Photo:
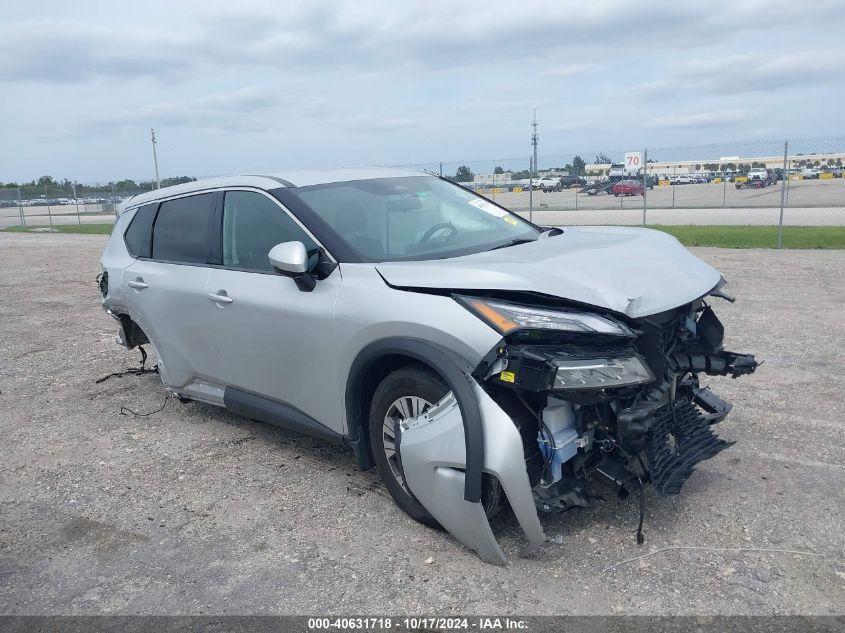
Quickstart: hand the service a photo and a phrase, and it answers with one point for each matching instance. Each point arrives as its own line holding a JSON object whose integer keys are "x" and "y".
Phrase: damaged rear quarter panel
{"x": 114, "y": 260}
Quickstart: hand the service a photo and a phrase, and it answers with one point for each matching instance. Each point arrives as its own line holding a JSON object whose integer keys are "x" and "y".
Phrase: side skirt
{"x": 277, "y": 413}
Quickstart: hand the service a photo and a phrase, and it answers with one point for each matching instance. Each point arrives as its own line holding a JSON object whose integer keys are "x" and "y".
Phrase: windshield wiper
{"x": 515, "y": 242}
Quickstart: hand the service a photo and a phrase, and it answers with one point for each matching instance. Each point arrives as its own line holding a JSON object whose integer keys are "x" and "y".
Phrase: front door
{"x": 272, "y": 338}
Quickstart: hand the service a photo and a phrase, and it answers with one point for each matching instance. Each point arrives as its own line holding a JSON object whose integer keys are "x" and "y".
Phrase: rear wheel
{"x": 404, "y": 394}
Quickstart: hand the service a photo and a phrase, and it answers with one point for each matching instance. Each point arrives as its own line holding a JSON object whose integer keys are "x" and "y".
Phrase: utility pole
{"x": 155, "y": 157}
{"x": 534, "y": 139}
{"x": 645, "y": 182}
{"x": 49, "y": 211}
{"x": 530, "y": 192}
{"x": 783, "y": 192}
{"x": 76, "y": 200}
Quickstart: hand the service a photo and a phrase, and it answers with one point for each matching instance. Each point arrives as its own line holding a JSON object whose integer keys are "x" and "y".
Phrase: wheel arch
{"x": 380, "y": 357}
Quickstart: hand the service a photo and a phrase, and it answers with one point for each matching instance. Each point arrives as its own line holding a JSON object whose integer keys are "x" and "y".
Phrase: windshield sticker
{"x": 488, "y": 207}
{"x": 510, "y": 220}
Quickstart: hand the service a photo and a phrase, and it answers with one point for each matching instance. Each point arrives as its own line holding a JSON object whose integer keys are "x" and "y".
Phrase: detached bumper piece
{"x": 719, "y": 363}
{"x": 680, "y": 437}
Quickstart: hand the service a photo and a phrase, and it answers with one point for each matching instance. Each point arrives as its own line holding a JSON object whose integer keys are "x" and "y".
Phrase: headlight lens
{"x": 600, "y": 373}
{"x": 508, "y": 317}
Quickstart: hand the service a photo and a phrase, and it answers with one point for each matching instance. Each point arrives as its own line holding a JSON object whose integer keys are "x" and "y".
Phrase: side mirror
{"x": 292, "y": 260}
{"x": 289, "y": 258}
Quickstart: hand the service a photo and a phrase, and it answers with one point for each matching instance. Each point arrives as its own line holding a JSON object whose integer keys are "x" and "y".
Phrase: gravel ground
{"x": 195, "y": 510}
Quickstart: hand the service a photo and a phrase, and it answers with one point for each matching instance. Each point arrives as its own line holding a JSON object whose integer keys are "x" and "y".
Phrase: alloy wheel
{"x": 402, "y": 409}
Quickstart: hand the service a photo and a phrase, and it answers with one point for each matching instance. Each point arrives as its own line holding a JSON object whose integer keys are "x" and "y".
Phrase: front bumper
{"x": 620, "y": 436}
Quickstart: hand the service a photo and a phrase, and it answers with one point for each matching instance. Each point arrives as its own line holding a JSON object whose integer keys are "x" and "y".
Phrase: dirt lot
{"x": 195, "y": 510}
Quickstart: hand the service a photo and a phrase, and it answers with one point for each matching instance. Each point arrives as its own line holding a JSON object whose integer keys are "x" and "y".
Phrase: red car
{"x": 627, "y": 188}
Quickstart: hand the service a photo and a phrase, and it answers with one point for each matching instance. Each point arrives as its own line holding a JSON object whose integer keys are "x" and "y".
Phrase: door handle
{"x": 220, "y": 297}
{"x": 138, "y": 284}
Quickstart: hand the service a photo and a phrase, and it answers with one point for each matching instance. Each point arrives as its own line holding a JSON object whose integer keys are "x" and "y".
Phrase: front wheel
{"x": 407, "y": 393}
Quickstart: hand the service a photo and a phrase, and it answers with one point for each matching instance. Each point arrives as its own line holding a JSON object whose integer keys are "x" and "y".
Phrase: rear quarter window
{"x": 138, "y": 236}
{"x": 182, "y": 229}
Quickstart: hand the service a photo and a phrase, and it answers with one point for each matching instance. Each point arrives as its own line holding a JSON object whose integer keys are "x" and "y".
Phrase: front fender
{"x": 456, "y": 374}
{"x": 434, "y": 463}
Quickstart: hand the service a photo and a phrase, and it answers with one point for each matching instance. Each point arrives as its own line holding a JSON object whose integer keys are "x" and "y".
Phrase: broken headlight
{"x": 507, "y": 317}
{"x": 599, "y": 373}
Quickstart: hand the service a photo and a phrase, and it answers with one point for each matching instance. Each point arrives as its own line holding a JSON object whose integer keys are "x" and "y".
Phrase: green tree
{"x": 498, "y": 170}
{"x": 602, "y": 159}
{"x": 521, "y": 175}
{"x": 127, "y": 185}
{"x": 168, "y": 182}
{"x": 579, "y": 167}
{"x": 464, "y": 174}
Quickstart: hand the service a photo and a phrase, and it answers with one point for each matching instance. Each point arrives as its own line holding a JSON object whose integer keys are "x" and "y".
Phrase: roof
{"x": 272, "y": 180}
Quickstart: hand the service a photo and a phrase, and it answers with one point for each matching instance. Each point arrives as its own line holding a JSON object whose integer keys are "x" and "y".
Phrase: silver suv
{"x": 475, "y": 359}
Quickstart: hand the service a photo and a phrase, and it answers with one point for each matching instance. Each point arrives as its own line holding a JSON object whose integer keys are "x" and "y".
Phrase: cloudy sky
{"x": 247, "y": 85}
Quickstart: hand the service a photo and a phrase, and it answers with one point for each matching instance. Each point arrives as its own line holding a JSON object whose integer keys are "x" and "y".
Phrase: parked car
{"x": 758, "y": 174}
{"x": 617, "y": 170}
{"x": 681, "y": 180}
{"x": 627, "y": 188}
{"x": 548, "y": 183}
{"x": 474, "y": 358}
{"x": 568, "y": 182}
{"x": 809, "y": 173}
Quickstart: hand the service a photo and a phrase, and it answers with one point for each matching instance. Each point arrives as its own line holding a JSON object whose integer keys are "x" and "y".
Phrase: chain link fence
{"x": 53, "y": 204}
{"x": 769, "y": 183}
{"x": 797, "y": 183}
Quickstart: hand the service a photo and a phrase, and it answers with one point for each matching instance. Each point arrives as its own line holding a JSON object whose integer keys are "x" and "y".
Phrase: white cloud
{"x": 748, "y": 72}
{"x": 376, "y": 80}
{"x": 381, "y": 34}
{"x": 709, "y": 119}
{"x": 231, "y": 110}
{"x": 567, "y": 70}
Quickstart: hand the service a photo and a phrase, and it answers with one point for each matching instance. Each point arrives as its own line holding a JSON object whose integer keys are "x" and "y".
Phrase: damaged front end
{"x": 602, "y": 400}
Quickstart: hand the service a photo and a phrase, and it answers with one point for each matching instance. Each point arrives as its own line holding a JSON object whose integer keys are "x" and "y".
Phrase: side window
{"x": 252, "y": 225}
{"x": 138, "y": 235}
{"x": 182, "y": 228}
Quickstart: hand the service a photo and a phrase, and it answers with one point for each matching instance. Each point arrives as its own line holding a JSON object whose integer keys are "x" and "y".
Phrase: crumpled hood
{"x": 632, "y": 271}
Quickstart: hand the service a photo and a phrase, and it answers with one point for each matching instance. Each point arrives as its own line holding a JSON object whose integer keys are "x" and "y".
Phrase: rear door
{"x": 274, "y": 340}
{"x": 166, "y": 285}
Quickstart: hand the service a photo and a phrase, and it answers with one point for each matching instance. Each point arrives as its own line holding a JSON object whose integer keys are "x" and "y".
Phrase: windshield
{"x": 413, "y": 218}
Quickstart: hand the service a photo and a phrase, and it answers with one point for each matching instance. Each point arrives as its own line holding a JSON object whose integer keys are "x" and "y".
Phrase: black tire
{"x": 413, "y": 380}
{"x": 419, "y": 381}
